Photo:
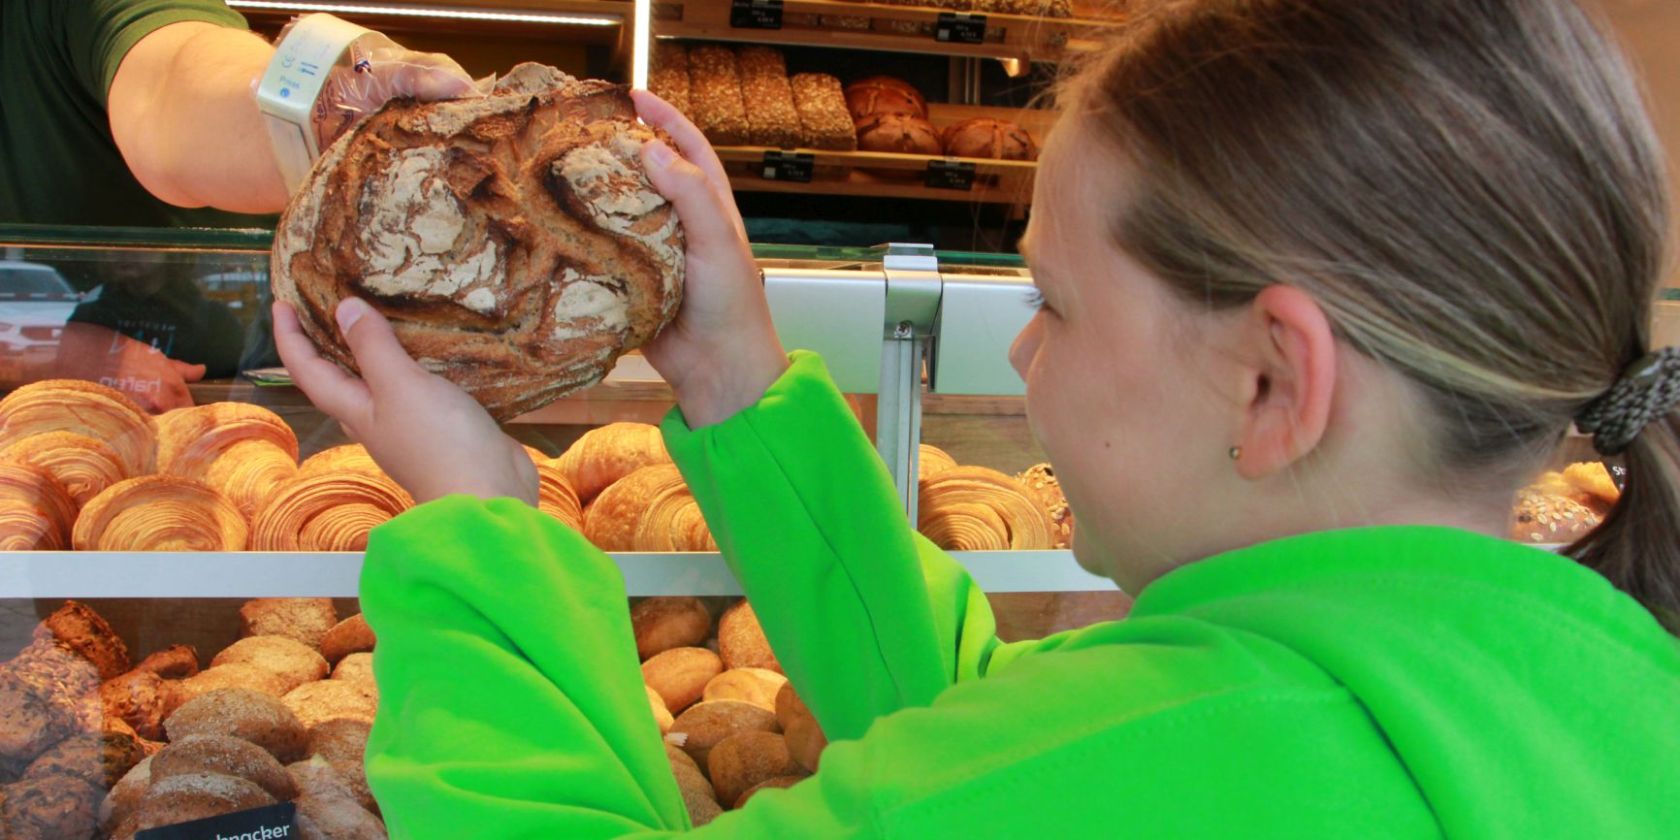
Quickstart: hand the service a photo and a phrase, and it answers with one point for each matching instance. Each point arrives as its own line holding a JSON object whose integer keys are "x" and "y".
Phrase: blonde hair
{"x": 1471, "y": 190}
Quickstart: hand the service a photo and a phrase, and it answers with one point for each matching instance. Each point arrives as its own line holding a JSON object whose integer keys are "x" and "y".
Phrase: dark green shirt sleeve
{"x": 99, "y": 34}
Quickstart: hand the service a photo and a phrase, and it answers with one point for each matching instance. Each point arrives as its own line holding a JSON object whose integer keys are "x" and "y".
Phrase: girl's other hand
{"x": 721, "y": 353}
{"x": 424, "y": 431}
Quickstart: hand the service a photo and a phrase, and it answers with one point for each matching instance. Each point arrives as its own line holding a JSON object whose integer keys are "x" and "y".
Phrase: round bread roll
{"x": 242, "y": 713}
{"x": 139, "y": 699}
{"x": 172, "y": 663}
{"x": 884, "y": 95}
{"x": 316, "y": 776}
{"x": 318, "y": 702}
{"x": 231, "y": 675}
{"x": 608, "y": 453}
{"x": 197, "y": 796}
{"x": 77, "y": 628}
{"x": 352, "y": 635}
{"x": 698, "y": 797}
{"x": 983, "y": 137}
{"x": 52, "y": 806}
{"x": 291, "y": 660}
{"x": 32, "y": 719}
{"x": 513, "y": 240}
{"x": 227, "y": 756}
{"x": 776, "y": 782}
{"x": 661, "y": 715}
{"x": 356, "y": 666}
{"x": 899, "y": 133}
{"x": 757, "y": 686}
{"x": 160, "y": 513}
{"x": 741, "y": 641}
{"x": 1541, "y": 517}
{"x": 679, "y": 675}
{"x": 804, "y": 736}
{"x": 36, "y": 512}
{"x": 306, "y": 619}
{"x": 664, "y": 622}
{"x": 340, "y": 818}
{"x": 744, "y": 759}
{"x": 123, "y": 801}
{"x": 704, "y": 725}
{"x": 342, "y": 740}
{"x": 99, "y": 758}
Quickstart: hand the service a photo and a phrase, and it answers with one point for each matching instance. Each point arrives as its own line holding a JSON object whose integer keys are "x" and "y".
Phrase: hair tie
{"x": 1647, "y": 389}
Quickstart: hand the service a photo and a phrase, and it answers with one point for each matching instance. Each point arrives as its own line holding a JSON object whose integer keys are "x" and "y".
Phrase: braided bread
{"x": 513, "y": 240}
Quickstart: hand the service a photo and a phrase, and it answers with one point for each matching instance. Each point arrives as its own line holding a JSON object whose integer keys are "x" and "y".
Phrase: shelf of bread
{"x": 883, "y": 174}
{"x": 999, "y": 29}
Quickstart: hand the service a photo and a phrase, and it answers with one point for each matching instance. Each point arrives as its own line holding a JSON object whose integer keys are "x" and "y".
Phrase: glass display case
{"x": 917, "y": 339}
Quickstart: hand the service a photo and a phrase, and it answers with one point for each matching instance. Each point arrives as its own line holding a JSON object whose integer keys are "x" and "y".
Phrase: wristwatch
{"x": 308, "y": 51}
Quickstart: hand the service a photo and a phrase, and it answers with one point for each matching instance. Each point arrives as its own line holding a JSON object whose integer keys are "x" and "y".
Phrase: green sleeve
{"x": 99, "y": 34}
{"x": 511, "y": 698}
{"x": 865, "y": 615}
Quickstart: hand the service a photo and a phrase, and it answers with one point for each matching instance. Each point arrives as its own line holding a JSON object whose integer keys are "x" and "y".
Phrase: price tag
{"x": 949, "y": 174}
{"x": 755, "y": 14}
{"x": 788, "y": 166}
{"x": 960, "y": 28}
{"x": 272, "y": 822}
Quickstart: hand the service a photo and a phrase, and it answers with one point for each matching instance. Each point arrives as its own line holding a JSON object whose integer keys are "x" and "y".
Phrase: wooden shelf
{"x": 881, "y": 175}
{"x": 817, "y": 23}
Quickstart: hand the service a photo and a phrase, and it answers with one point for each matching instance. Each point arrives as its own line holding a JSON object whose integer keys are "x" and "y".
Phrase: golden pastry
{"x": 36, "y": 513}
{"x": 619, "y": 519}
{"x": 328, "y": 511}
{"x": 243, "y": 450}
{"x": 160, "y": 513}
{"x": 981, "y": 509}
{"x": 351, "y": 457}
{"x": 604, "y": 455}
{"x": 673, "y": 522}
{"x": 84, "y": 465}
{"x": 555, "y": 495}
{"x": 1596, "y": 488}
{"x": 931, "y": 461}
{"x": 71, "y": 405}
{"x": 1040, "y": 480}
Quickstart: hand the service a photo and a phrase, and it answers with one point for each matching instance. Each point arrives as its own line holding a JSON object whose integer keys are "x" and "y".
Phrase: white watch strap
{"x": 294, "y": 78}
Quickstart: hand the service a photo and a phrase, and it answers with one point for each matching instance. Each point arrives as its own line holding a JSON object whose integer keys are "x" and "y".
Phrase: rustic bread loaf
{"x": 884, "y": 95}
{"x": 983, "y": 137}
{"x": 513, "y": 240}
{"x": 901, "y": 133}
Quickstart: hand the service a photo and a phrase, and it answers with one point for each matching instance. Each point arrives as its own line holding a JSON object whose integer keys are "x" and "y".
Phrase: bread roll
{"x": 329, "y": 511}
{"x": 123, "y": 801}
{"x": 664, "y": 622}
{"x": 983, "y": 137}
{"x": 231, "y": 675}
{"x": 242, "y": 713}
{"x": 680, "y": 675}
{"x": 36, "y": 513}
{"x": 99, "y": 758}
{"x": 698, "y": 797}
{"x": 291, "y": 660}
{"x": 352, "y": 635}
{"x": 84, "y": 465}
{"x": 773, "y": 782}
{"x": 981, "y": 509}
{"x": 242, "y": 450}
{"x": 1542, "y": 517}
{"x": 661, "y": 715}
{"x": 897, "y": 133}
{"x": 1593, "y": 485}
{"x": 341, "y": 740}
{"x": 319, "y": 702}
{"x": 606, "y": 454}
{"x": 307, "y": 620}
{"x": 172, "y": 663}
{"x": 337, "y": 818}
{"x": 95, "y": 411}
{"x": 824, "y": 122}
{"x": 704, "y": 725}
{"x": 805, "y": 738}
{"x": 160, "y": 513}
{"x": 882, "y": 95}
{"x": 757, "y": 686}
{"x": 513, "y": 240}
{"x": 140, "y": 699}
{"x": 741, "y": 641}
{"x": 198, "y": 796}
{"x": 741, "y": 761}
{"x": 714, "y": 94}
{"x": 356, "y": 666}
{"x": 227, "y": 756}
{"x": 49, "y": 808}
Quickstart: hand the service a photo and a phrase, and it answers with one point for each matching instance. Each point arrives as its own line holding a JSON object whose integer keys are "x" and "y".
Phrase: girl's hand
{"x": 424, "y": 431}
{"x": 721, "y": 353}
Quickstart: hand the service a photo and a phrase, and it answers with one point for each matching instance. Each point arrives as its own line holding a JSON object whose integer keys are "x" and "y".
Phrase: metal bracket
{"x": 913, "y": 290}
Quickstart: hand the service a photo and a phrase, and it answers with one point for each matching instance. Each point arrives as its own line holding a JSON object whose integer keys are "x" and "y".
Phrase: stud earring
{"x": 1235, "y": 452}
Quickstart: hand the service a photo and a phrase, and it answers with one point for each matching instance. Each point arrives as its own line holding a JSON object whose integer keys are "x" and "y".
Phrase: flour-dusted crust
{"x": 513, "y": 240}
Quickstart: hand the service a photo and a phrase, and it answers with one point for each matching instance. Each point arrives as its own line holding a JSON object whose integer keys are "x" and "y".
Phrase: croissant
{"x": 672, "y": 522}
{"x": 1040, "y": 480}
{"x": 980, "y": 509}
{"x": 327, "y": 511}
{"x": 160, "y": 513}
{"x": 71, "y": 405}
{"x": 351, "y": 457}
{"x": 84, "y": 466}
{"x": 932, "y": 461}
{"x": 555, "y": 496}
{"x": 612, "y": 520}
{"x": 35, "y": 510}
{"x": 244, "y": 451}
{"x": 605, "y": 455}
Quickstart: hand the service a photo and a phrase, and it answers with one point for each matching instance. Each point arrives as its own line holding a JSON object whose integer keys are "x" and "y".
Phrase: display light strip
{"x": 641, "y": 43}
{"x": 439, "y": 12}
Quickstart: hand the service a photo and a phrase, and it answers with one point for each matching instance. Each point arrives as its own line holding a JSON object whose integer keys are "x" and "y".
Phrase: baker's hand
{"x": 103, "y": 355}
{"x": 379, "y": 70}
{"x": 721, "y": 353}
{"x": 424, "y": 431}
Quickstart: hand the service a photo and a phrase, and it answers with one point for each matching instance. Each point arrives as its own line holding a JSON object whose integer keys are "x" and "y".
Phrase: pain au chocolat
{"x": 513, "y": 239}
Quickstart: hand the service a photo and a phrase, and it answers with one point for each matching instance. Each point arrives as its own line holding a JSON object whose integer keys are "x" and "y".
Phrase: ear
{"x": 1289, "y": 380}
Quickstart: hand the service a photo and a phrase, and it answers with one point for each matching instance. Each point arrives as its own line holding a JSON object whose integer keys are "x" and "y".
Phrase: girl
{"x": 1323, "y": 283}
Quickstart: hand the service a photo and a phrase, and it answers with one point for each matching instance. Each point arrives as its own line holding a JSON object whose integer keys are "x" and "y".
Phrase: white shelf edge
{"x": 253, "y": 574}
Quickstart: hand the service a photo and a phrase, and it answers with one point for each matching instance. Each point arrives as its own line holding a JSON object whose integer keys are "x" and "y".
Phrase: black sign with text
{"x": 960, "y": 28}
{"x": 788, "y": 166}
{"x": 272, "y": 822}
{"x": 946, "y": 174}
{"x": 755, "y": 14}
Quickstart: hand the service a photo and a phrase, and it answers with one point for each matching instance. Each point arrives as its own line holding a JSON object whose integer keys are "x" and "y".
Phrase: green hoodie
{"x": 1409, "y": 681}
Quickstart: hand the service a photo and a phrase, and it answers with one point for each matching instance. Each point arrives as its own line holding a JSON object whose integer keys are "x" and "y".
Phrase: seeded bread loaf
{"x": 714, "y": 93}
{"x": 668, "y": 74}
{"x": 823, "y": 120}
{"x": 772, "y": 119}
{"x": 513, "y": 239}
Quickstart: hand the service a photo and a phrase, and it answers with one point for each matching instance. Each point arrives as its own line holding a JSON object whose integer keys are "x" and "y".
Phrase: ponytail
{"x": 1638, "y": 545}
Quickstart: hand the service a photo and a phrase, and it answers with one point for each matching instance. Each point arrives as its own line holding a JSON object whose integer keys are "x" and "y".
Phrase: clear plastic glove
{"x": 422, "y": 429}
{"x": 376, "y": 70}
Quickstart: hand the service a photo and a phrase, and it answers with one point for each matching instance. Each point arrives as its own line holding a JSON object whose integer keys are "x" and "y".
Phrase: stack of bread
{"x": 891, "y": 115}
{"x": 744, "y": 95}
{"x": 1563, "y": 506}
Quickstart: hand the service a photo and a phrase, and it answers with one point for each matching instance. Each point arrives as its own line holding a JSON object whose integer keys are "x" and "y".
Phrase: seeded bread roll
{"x": 232, "y": 675}
{"x": 513, "y": 240}
{"x": 123, "y": 801}
{"x": 259, "y": 718}
{"x": 172, "y": 663}
{"x": 291, "y": 660}
{"x": 668, "y": 74}
{"x": 227, "y": 756}
{"x": 49, "y": 808}
{"x": 140, "y": 699}
{"x": 352, "y": 635}
{"x": 197, "y": 796}
{"x": 318, "y": 702}
{"x": 741, "y": 640}
{"x": 316, "y": 776}
{"x": 306, "y": 619}
{"x": 99, "y": 758}
{"x": 356, "y": 666}
{"x": 823, "y": 120}
{"x": 77, "y": 628}
{"x": 714, "y": 92}
{"x": 1542, "y": 517}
